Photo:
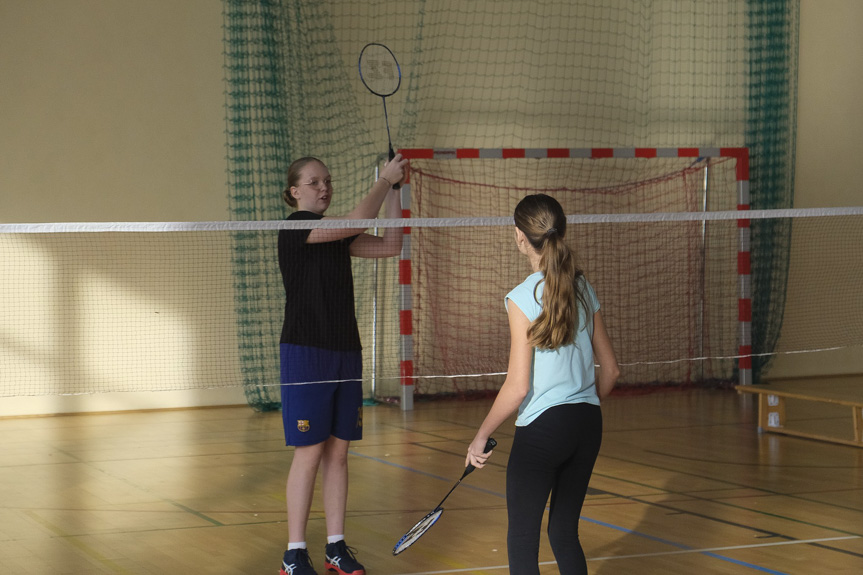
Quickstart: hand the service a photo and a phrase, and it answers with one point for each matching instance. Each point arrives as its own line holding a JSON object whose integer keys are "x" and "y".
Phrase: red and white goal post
{"x": 612, "y": 187}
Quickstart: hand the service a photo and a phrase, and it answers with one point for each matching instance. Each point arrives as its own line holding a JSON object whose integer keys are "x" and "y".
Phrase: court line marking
{"x": 723, "y": 501}
{"x": 729, "y": 548}
{"x": 77, "y": 541}
{"x": 681, "y": 548}
{"x": 707, "y": 550}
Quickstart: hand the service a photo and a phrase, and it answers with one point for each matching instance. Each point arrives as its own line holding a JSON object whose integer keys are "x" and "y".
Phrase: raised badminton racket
{"x": 426, "y": 522}
{"x": 380, "y": 73}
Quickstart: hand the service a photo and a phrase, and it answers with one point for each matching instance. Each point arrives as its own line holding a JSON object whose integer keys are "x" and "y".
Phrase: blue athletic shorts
{"x": 312, "y": 412}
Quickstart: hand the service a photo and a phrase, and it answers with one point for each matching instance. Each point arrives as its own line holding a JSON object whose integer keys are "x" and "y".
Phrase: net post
{"x": 406, "y": 355}
{"x": 374, "y": 384}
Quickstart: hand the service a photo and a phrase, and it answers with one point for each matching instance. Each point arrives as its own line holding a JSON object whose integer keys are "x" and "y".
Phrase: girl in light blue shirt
{"x": 556, "y": 336}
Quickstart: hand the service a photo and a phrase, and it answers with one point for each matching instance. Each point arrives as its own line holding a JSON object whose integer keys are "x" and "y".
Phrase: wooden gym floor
{"x": 684, "y": 484}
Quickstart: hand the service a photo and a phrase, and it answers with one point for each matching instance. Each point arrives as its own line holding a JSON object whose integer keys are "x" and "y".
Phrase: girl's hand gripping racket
{"x": 380, "y": 73}
{"x": 426, "y": 522}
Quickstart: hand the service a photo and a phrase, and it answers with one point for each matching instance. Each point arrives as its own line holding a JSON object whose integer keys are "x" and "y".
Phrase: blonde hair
{"x": 294, "y": 178}
{"x": 540, "y": 217}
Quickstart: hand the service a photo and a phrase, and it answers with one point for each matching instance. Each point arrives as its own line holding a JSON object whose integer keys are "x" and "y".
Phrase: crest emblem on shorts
{"x": 303, "y": 425}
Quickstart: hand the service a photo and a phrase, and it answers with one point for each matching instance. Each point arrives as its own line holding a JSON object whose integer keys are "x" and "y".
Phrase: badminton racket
{"x": 381, "y": 75}
{"x": 426, "y": 522}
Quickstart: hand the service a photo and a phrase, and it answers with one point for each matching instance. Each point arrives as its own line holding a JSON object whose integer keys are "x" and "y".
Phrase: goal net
{"x": 670, "y": 291}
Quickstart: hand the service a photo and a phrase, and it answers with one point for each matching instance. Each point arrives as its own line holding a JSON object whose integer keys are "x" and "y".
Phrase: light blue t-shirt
{"x": 563, "y": 375}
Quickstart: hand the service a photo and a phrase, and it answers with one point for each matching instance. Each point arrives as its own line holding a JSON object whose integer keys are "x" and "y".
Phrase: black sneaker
{"x": 340, "y": 558}
{"x": 297, "y": 562}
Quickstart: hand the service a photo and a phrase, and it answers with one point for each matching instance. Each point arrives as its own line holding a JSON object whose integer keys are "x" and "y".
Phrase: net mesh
{"x": 97, "y": 312}
{"x": 98, "y": 308}
{"x": 669, "y": 290}
{"x": 488, "y": 74}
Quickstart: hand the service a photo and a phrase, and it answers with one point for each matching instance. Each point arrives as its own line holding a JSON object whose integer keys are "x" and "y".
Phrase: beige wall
{"x": 112, "y": 110}
{"x": 829, "y": 141}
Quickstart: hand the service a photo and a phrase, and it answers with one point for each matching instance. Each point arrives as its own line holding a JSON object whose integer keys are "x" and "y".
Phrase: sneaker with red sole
{"x": 340, "y": 558}
{"x": 297, "y": 562}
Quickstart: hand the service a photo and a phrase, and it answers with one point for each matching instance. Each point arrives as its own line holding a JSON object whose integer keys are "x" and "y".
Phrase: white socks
{"x": 302, "y": 544}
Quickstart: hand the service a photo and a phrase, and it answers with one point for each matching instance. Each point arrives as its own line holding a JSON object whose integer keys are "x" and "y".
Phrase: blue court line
{"x": 681, "y": 546}
{"x": 588, "y": 519}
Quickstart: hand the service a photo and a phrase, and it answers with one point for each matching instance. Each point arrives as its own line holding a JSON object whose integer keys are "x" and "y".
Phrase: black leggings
{"x": 554, "y": 454}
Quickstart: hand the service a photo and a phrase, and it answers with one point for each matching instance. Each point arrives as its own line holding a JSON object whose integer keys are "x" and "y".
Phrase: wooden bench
{"x": 772, "y": 398}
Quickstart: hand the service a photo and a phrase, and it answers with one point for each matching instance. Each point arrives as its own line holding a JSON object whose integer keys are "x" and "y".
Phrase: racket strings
{"x": 381, "y": 69}
{"x": 417, "y": 531}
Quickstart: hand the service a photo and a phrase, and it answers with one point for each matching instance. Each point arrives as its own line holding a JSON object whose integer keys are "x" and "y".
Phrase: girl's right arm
{"x": 514, "y": 389}
{"x": 392, "y": 173}
{"x": 369, "y": 206}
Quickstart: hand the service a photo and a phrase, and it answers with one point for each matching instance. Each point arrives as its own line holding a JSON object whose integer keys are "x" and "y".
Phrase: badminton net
{"x": 87, "y": 308}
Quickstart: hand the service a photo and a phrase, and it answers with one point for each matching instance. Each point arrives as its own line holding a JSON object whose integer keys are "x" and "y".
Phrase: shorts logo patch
{"x": 303, "y": 425}
{"x": 359, "y": 417}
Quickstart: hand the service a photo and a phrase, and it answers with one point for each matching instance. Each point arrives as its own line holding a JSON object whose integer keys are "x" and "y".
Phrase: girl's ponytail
{"x": 543, "y": 222}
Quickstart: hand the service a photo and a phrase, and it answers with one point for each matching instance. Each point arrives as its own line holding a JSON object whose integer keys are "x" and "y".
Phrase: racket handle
{"x": 397, "y": 185}
{"x": 489, "y": 445}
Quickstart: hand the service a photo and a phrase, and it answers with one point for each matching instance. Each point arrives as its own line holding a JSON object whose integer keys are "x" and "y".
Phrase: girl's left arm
{"x": 514, "y": 389}
{"x": 388, "y": 245}
{"x": 603, "y": 351}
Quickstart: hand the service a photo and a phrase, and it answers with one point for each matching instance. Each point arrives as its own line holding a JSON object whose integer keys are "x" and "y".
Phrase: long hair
{"x": 543, "y": 222}
{"x": 294, "y": 177}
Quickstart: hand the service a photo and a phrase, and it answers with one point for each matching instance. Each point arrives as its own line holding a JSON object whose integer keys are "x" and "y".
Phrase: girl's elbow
{"x": 515, "y": 391}
{"x": 394, "y": 249}
{"x": 390, "y": 253}
{"x": 521, "y": 393}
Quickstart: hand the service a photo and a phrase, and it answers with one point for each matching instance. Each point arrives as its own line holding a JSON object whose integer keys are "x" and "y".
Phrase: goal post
{"x": 705, "y": 269}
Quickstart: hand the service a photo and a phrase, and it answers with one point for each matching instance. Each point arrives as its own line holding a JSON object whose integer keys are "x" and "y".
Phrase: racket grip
{"x": 397, "y": 185}
{"x": 489, "y": 445}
